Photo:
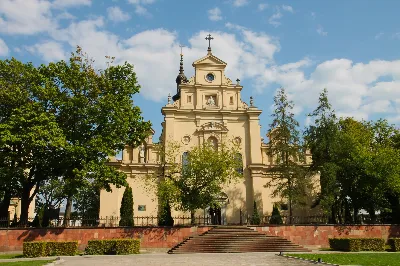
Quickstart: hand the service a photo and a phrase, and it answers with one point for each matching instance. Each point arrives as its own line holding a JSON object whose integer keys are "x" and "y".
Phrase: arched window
{"x": 213, "y": 141}
{"x": 185, "y": 158}
{"x": 240, "y": 163}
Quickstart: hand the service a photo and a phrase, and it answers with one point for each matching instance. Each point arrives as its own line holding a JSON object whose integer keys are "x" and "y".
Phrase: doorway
{"x": 215, "y": 214}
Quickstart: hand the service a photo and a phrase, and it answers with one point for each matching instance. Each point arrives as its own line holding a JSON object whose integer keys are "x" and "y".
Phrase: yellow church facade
{"x": 207, "y": 107}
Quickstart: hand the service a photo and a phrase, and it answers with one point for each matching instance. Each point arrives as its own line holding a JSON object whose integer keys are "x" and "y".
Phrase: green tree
{"x": 255, "y": 218}
{"x": 29, "y": 134}
{"x": 288, "y": 176}
{"x": 195, "y": 181}
{"x": 126, "y": 210}
{"x": 95, "y": 110}
{"x": 165, "y": 217}
{"x": 322, "y": 140}
{"x": 203, "y": 176}
{"x": 276, "y": 217}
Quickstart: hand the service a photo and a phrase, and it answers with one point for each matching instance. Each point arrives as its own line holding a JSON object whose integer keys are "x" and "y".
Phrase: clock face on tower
{"x": 210, "y": 77}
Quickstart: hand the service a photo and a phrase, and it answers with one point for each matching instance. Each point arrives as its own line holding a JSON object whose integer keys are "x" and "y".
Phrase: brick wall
{"x": 315, "y": 235}
{"x": 160, "y": 237}
{"x": 151, "y": 237}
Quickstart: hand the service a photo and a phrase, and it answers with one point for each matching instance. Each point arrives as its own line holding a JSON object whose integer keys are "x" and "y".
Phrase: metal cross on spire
{"x": 181, "y": 48}
{"x": 209, "y": 38}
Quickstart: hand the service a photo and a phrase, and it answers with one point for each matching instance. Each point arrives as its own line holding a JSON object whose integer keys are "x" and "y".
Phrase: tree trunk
{"x": 355, "y": 215}
{"x": 192, "y": 217}
{"x": 25, "y": 202}
{"x": 332, "y": 219}
{"x": 68, "y": 210}
{"x": 5, "y": 205}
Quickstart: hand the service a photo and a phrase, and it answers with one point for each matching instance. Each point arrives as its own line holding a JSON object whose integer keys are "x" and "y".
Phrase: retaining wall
{"x": 167, "y": 237}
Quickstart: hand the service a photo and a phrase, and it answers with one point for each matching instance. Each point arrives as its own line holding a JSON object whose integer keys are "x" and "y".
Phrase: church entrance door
{"x": 215, "y": 214}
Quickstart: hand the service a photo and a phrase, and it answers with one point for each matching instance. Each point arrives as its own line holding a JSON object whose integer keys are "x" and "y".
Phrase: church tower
{"x": 209, "y": 107}
{"x": 206, "y": 107}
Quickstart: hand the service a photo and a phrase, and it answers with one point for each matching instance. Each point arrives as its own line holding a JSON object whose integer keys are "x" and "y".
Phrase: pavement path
{"x": 219, "y": 259}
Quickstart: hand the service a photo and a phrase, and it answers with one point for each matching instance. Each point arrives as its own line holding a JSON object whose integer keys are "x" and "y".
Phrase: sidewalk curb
{"x": 56, "y": 262}
{"x": 313, "y": 261}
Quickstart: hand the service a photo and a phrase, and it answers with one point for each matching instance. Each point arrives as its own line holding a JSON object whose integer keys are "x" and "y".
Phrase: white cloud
{"x": 355, "y": 89}
{"x": 313, "y": 15}
{"x": 262, "y": 6}
{"x": 116, "y": 14}
{"x": 214, "y": 14}
{"x": 48, "y": 50}
{"x": 274, "y": 19}
{"x": 25, "y": 17}
{"x": 65, "y": 15}
{"x": 139, "y": 6}
{"x": 396, "y": 35}
{"x": 71, "y": 3}
{"x": 379, "y": 35}
{"x": 320, "y": 31}
{"x": 287, "y": 8}
{"x": 141, "y": 2}
{"x": 3, "y": 48}
{"x": 239, "y": 3}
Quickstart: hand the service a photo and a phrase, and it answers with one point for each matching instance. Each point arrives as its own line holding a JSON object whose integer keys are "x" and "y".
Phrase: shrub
{"x": 127, "y": 246}
{"x": 345, "y": 244}
{"x": 64, "y": 248}
{"x": 34, "y": 249}
{"x": 113, "y": 247}
{"x": 372, "y": 244}
{"x": 165, "y": 216}
{"x": 276, "y": 217}
{"x": 255, "y": 218}
{"x": 126, "y": 210}
{"x": 357, "y": 244}
{"x": 394, "y": 244}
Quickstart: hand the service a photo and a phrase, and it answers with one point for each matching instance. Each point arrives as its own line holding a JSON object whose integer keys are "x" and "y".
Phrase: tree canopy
{"x": 63, "y": 120}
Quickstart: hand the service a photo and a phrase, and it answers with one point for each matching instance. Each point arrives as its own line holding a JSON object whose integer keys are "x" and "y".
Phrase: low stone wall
{"x": 151, "y": 237}
{"x": 166, "y": 237}
{"x": 318, "y": 235}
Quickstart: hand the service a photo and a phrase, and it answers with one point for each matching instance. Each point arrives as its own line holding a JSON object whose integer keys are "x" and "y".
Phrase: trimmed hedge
{"x": 113, "y": 247}
{"x": 43, "y": 249}
{"x": 345, "y": 244}
{"x": 373, "y": 244}
{"x": 357, "y": 244}
{"x": 34, "y": 249}
{"x": 394, "y": 244}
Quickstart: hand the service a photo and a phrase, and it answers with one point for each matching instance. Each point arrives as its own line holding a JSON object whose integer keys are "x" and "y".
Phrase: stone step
{"x": 235, "y": 240}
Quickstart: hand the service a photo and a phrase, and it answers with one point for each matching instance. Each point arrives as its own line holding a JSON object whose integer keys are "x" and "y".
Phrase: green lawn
{"x": 26, "y": 263}
{"x": 11, "y": 256}
{"x": 365, "y": 259}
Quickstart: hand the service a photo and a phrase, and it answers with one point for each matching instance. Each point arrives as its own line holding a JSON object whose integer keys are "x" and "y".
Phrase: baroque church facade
{"x": 207, "y": 107}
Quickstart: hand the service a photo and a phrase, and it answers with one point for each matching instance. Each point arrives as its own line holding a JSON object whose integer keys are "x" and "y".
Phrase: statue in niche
{"x": 142, "y": 150}
{"x": 210, "y": 101}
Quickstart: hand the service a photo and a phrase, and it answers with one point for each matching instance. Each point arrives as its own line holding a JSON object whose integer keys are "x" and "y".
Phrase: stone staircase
{"x": 234, "y": 239}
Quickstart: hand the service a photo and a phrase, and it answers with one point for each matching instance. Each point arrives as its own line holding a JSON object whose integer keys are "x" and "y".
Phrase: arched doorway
{"x": 218, "y": 212}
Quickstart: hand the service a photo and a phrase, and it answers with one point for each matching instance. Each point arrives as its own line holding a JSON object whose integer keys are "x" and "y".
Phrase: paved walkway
{"x": 232, "y": 259}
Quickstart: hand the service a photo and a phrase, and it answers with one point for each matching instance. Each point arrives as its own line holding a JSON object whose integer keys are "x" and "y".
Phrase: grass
{"x": 11, "y": 256}
{"x": 365, "y": 259}
{"x": 26, "y": 263}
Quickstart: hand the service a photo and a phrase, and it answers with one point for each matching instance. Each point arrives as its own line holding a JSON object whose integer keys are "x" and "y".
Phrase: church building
{"x": 206, "y": 107}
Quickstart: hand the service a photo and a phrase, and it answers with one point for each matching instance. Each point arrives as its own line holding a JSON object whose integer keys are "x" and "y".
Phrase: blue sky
{"x": 349, "y": 47}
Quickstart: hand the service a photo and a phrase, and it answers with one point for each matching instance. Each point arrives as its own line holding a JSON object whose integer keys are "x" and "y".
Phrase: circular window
{"x": 210, "y": 77}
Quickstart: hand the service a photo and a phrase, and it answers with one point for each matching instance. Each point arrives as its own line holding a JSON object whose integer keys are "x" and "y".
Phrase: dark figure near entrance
{"x": 215, "y": 214}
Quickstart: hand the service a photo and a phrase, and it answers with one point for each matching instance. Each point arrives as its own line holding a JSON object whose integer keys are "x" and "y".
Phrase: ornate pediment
{"x": 213, "y": 126}
{"x": 209, "y": 59}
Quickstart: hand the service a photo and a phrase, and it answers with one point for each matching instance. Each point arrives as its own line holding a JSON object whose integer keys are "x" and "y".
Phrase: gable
{"x": 210, "y": 60}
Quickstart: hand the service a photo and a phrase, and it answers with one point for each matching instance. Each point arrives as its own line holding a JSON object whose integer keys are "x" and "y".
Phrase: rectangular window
{"x": 141, "y": 208}
{"x": 231, "y": 100}
{"x": 189, "y": 99}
